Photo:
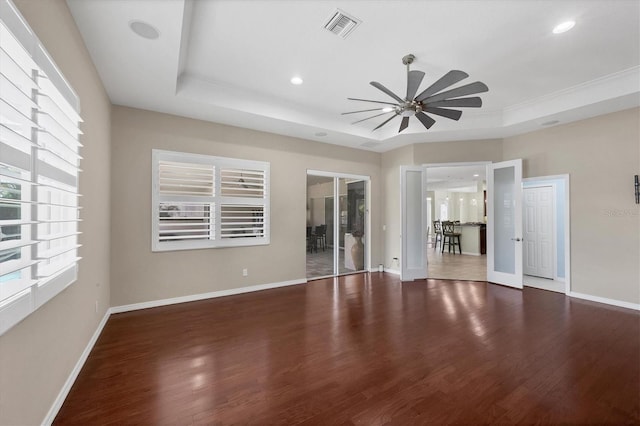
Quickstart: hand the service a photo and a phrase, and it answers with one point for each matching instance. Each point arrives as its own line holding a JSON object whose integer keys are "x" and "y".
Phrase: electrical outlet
{"x": 245, "y": 272}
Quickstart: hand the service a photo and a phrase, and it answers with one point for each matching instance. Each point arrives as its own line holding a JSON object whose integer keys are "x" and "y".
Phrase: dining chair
{"x": 311, "y": 240}
{"x": 321, "y": 236}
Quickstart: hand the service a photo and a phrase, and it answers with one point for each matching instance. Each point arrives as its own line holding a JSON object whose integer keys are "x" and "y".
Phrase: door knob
{"x": 516, "y": 239}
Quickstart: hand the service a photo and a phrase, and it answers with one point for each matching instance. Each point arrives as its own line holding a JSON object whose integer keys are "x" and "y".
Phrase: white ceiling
{"x": 462, "y": 178}
{"x": 230, "y": 61}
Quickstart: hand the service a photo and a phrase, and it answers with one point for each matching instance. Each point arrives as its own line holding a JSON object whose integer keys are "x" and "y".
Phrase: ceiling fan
{"x": 431, "y": 100}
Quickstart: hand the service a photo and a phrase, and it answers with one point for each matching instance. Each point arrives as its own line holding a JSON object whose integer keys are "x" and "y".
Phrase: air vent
{"x": 341, "y": 23}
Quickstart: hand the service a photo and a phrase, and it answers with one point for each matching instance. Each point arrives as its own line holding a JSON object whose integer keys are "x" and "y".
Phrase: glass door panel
{"x": 504, "y": 225}
{"x": 352, "y": 209}
{"x": 320, "y": 199}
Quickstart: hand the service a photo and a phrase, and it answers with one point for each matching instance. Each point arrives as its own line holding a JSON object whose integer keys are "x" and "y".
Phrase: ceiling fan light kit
{"x": 433, "y": 100}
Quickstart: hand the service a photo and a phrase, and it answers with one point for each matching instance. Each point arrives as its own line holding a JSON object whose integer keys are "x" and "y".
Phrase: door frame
{"x": 336, "y": 211}
{"x": 567, "y": 226}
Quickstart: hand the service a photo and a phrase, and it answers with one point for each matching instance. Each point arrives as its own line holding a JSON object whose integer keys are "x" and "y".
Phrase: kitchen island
{"x": 473, "y": 238}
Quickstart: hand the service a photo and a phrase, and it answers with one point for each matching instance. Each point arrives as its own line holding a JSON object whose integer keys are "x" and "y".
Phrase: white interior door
{"x": 413, "y": 198}
{"x": 538, "y": 244}
{"x": 504, "y": 223}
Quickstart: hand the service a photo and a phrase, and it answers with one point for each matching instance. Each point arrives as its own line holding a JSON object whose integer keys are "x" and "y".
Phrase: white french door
{"x": 413, "y": 198}
{"x": 504, "y": 223}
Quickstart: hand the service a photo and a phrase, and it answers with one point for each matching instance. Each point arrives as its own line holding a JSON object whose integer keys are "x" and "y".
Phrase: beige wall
{"x": 138, "y": 275}
{"x": 37, "y": 355}
{"x": 601, "y": 155}
{"x": 458, "y": 151}
{"x": 391, "y": 162}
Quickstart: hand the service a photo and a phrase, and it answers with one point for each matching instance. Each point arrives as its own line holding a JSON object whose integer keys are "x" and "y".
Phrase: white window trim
{"x": 216, "y": 199}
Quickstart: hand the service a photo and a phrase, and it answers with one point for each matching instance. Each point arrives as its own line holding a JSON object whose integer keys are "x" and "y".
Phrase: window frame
{"x": 215, "y": 201}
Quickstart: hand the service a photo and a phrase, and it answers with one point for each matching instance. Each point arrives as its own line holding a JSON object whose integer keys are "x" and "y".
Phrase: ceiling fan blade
{"x": 375, "y": 102}
{"x": 414, "y": 78}
{"x": 474, "y": 102}
{"x": 362, "y": 110}
{"x": 373, "y": 116}
{"x": 387, "y": 91}
{"x": 450, "y": 78}
{"x": 404, "y": 124}
{"x": 386, "y": 121}
{"x": 425, "y": 120}
{"x": 453, "y": 114}
{"x": 467, "y": 89}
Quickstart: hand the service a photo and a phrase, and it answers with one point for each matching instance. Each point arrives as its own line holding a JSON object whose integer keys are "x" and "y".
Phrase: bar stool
{"x": 450, "y": 237}
{"x": 437, "y": 230}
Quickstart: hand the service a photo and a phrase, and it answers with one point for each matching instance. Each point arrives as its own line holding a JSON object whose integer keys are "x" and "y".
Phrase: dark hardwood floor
{"x": 366, "y": 350}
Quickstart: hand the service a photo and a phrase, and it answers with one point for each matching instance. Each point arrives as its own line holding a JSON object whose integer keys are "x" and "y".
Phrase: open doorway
{"x": 456, "y": 193}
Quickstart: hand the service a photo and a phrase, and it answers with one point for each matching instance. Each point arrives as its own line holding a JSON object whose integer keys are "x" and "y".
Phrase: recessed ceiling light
{"x": 563, "y": 27}
{"x": 321, "y": 134}
{"x": 387, "y": 109}
{"x": 476, "y": 175}
{"x": 296, "y": 80}
{"x": 144, "y": 30}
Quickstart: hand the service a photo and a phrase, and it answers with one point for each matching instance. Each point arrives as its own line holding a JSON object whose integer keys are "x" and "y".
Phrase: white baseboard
{"x": 392, "y": 271}
{"x": 628, "y": 305}
{"x": 202, "y": 296}
{"x": 468, "y": 253}
{"x": 62, "y": 395}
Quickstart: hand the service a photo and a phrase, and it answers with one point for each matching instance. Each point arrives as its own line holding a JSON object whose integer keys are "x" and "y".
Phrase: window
{"x": 200, "y": 201}
{"x": 38, "y": 173}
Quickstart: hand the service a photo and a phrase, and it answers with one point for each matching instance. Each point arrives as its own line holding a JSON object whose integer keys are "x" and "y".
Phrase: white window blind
{"x": 201, "y": 201}
{"x": 39, "y": 159}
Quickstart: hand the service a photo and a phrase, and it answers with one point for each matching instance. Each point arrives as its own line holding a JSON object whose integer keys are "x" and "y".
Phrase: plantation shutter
{"x": 203, "y": 201}
{"x": 39, "y": 159}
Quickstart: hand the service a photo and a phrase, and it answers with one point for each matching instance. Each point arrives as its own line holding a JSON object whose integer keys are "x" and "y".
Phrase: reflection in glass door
{"x": 337, "y": 223}
{"x": 320, "y": 226}
{"x": 352, "y": 225}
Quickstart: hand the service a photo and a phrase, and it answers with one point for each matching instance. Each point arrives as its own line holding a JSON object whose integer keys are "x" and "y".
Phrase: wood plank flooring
{"x": 365, "y": 349}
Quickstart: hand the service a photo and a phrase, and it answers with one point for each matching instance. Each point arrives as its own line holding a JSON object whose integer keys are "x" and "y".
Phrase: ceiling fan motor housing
{"x": 409, "y": 108}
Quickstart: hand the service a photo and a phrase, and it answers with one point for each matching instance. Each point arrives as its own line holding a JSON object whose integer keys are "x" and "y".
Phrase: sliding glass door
{"x": 337, "y": 224}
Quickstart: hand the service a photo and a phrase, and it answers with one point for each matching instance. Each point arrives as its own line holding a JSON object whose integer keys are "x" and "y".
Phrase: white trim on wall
{"x": 202, "y": 296}
{"x": 62, "y": 395}
{"x": 605, "y": 300}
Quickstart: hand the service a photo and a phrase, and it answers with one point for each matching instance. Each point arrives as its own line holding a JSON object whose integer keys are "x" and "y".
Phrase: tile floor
{"x": 441, "y": 265}
{"x": 456, "y": 266}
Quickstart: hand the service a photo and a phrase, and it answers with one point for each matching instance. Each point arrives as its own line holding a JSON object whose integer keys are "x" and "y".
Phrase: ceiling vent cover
{"x": 341, "y": 23}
